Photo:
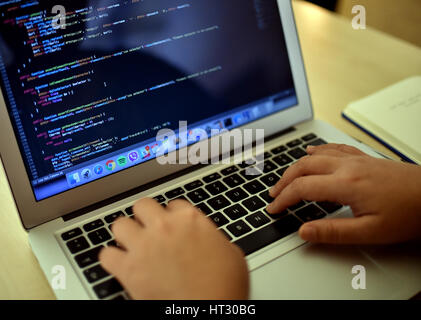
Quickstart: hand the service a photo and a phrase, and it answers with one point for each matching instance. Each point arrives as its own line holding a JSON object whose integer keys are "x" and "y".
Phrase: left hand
{"x": 174, "y": 253}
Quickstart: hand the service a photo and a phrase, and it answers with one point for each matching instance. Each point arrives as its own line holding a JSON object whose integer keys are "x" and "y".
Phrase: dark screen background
{"x": 221, "y": 54}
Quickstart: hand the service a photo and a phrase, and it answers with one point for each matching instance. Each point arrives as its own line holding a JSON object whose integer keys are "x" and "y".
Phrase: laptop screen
{"x": 89, "y": 84}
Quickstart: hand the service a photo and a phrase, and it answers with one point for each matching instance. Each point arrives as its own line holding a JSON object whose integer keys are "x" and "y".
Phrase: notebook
{"x": 393, "y": 117}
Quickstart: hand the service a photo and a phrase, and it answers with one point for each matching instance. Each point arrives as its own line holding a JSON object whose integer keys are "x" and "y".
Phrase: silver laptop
{"x": 87, "y": 87}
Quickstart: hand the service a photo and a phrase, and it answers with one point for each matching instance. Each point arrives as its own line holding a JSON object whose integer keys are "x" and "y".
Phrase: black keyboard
{"x": 232, "y": 198}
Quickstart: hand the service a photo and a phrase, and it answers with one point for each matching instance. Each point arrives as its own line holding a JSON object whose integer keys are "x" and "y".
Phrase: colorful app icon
{"x": 154, "y": 148}
{"x": 218, "y": 125}
{"x": 238, "y": 119}
{"x": 247, "y": 115}
{"x": 196, "y": 134}
{"x": 74, "y": 178}
{"x": 122, "y": 161}
{"x": 98, "y": 170}
{"x": 133, "y": 156}
{"x": 146, "y": 152}
{"x": 164, "y": 146}
{"x": 110, "y": 165}
{"x": 86, "y": 174}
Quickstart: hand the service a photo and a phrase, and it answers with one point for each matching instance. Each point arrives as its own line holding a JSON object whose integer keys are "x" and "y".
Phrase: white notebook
{"x": 393, "y": 117}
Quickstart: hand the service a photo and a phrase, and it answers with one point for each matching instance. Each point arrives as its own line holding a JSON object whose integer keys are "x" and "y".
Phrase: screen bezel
{"x": 34, "y": 213}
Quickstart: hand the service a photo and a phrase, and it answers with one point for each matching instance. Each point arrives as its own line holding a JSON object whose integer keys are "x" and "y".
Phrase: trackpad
{"x": 323, "y": 272}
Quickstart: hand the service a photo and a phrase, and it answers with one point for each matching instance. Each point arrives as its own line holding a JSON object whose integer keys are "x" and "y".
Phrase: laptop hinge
{"x": 151, "y": 185}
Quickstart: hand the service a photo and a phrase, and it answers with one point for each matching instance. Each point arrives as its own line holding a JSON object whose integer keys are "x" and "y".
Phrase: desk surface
{"x": 342, "y": 65}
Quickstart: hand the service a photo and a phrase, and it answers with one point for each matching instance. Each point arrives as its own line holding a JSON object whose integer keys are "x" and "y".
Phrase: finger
{"x": 313, "y": 188}
{"x": 309, "y": 165}
{"x": 178, "y": 204}
{"x": 361, "y": 230}
{"x": 148, "y": 211}
{"x": 342, "y": 148}
{"x": 332, "y": 153}
{"x": 125, "y": 231}
{"x": 111, "y": 259}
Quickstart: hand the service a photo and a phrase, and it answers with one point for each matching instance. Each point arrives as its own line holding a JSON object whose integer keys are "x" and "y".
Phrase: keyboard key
{"x": 267, "y": 155}
{"x": 93, "y": 225}
{"x": 329, "y": 207}
{"x": 95, "y": 273}
{"x": 317, "y": 142}
{"x": 257, "y": 219}
{"x": 226, "y": 234}
{"x": 233, "y": 180}
{"x": 265, "y": 195}
{"x": 99, "y": 236}
{"x": 160, "y": 198}
{"x": 239, "y": 228}
{"x": 282, "y": 171}
{"x": 71, "y": 234}
{"x": 219, "y": 202}
{"x": 297, "y": 153}
{"x": 174, "y": 193}
{"x": 216, "y": 188}
{"x": 119, "y": 297}
{"x": 309, "y": 213}
{"x": 229, "y": 170}
{"x": 269, "y": 234}
{"x": 263, "y": 156}
{"x": 236, "y": 194}
{"x": 198, "y": 195}
{"x": 282, "y": 160}
{"x": 278, "y": 150}
{"x": 270, "y": 179}
{"x": 77, "y": 245}
{"x": 219, "y": 219}
{"x": 297, "y": 206}
{"x": 178, "y": 198}
{"x": 89, "y": 257}
{"x": 247, "y": 163}
{"x": 254, "y": 187}
{"x": 204, "y": 208}
{"x": 111, "y": 217}
{"x": 277, "y": 215}
{"x": 107, "y": 288}
{"x": 294, "y": 143}
{"x": 193, "y": 185}
{"x": 269, "y": 166}
{"x": 309, "y": 137}
{"x": 129, "y": 211}
{"x": 212, "y": 177}
{"x": 251, "y": 173}
{"x": 235, "y": 212}
{"x": 253, "y": 204}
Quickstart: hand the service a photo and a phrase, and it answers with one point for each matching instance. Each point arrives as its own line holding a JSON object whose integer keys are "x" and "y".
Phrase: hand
{"x": 174, "y": 253}
{"x": 385, "y": 196}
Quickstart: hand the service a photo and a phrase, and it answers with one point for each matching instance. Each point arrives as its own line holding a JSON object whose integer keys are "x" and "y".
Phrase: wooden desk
{"x": 342, "y": 64}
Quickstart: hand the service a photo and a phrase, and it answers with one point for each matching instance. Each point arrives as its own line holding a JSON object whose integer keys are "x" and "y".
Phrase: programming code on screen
{"x": 119, "y": 71}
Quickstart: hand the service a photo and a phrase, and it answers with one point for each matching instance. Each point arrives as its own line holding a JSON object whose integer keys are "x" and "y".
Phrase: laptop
{"x": 87, "y": 87}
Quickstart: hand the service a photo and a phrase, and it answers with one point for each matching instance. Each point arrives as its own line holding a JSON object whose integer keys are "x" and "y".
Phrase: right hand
{"x": 384, "y": 195}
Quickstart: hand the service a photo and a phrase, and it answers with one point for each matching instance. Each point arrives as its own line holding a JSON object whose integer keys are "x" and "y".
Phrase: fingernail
{"x": 269, "y": 208}
{"x": 271, "y": 191}
{"x": 308, "y": 232}
{"x": 310, "y": 148}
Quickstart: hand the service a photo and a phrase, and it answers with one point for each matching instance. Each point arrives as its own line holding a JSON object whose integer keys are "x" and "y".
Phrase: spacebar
{"x": 269, "y": 234}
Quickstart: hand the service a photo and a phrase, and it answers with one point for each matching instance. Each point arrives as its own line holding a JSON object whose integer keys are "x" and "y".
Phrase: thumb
{"x": 360, "y": 230}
